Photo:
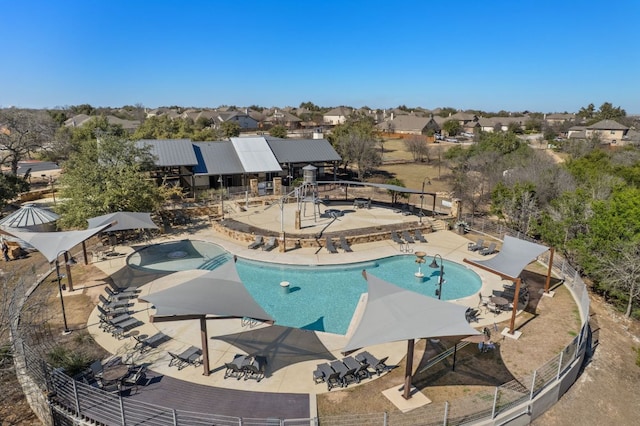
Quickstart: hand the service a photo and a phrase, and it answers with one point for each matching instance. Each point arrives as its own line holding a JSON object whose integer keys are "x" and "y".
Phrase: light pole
{"x": 69, "y": 262}
{"x": 221, "y": 182}
{"x": 422, "y": 196}
{"x": 434, "y": 264}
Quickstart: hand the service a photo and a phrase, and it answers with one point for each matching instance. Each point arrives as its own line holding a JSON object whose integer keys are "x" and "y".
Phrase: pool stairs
{"x": 214, "y": 262}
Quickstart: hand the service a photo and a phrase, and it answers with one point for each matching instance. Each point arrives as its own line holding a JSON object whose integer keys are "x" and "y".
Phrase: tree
{"x": 357, "y": 141}
{"x": 452, "y": 127}
{"x": 278, "y": 131}
{"x": 395, "y": 195}
{"x": 230, "y": 129}
{"x": 105, "y": 177}
{"x": 23, "y": 132}
{"x": 417, "y": 146}
{"x": 10, "y": 187}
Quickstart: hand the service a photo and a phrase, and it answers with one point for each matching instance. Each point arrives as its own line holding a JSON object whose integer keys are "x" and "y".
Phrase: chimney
{"x": 391, "y": 116}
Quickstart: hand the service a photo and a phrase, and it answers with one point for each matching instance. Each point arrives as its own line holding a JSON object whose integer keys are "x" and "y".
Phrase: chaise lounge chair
{"x": 344, "y": 245}
{"x": 120, "y": 296}
{"x": 255, "y": 368}
{"x": 488, "y": 250}
{"x": 257, "y": 243}
{"x": 190, "y": 356}
{"x": 419, "y": 236}
{"x": 377, "y": 364}
{"x": 330, "y": 247}
{"x": 408, "y": 238}
{"x": 396, "y": 238}
{"x": 234, "y": 368}
{"x": 479, "y": 245}
{"x": 271, "y": 243}
{"x": 149, "y": 343}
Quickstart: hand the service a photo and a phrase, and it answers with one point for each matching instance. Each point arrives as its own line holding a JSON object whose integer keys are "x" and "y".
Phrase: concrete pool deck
{"x": 295, "y": 378}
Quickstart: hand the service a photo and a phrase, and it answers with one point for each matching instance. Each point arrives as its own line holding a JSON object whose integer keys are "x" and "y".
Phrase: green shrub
{"x": 72, "y": 361}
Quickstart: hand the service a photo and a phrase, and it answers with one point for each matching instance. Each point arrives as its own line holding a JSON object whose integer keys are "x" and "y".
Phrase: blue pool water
{"x": 321, "y": 298}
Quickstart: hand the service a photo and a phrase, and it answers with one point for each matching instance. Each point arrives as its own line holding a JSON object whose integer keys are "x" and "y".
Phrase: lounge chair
{"x": 271, "y": 243}
{"x": 330, "y": 247}
{"x": 120, "y": 296}
{"x": 419, "y": 236}
{"x": 478, "y": 245}
{"x": 121, "y": 327}
{"x": 396, "y": 238}
{"x": 379, "y": 365}
{"x": 255, "y": 369}
{"x": 190, "y": 356}
{"x": 344, "y": 245}
{"x": 234, "y": 368}
{"x": 119, "y": 290}
{"x": 360, "y": 371}
{"x": 105, "y": 315}
{"x": 322, "y": 372}
{"x": 257, "y": 243}
{"x": 408, "y": 238}
{"x": 488, "y": 250}
{"x": 110, "y": 305}
{"x": 149, "y": 343}
{"x": 109, "y": 324}
{"x": 333, "y": 380}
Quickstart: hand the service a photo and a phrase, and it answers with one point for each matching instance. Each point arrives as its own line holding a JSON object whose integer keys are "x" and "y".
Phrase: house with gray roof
{"x": 337, "y": 115}
{"x": 283, "y": 118}
{"x": 409, "y": 125}
{"x": 609, "y": 131}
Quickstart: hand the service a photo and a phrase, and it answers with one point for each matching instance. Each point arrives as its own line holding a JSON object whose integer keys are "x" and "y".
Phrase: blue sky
{"x": 537, "y": 55}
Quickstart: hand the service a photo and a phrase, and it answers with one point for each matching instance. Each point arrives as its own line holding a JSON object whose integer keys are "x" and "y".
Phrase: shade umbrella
{"x": 514, "y": 256}
{"x": 202, "y": 295}
{"x": 125, "y": 221}
{"x": 393, "y": 314}
{"x": 282, "y": 346}
{"x": 52, "y": 244}
{"x": 30, "y": 217}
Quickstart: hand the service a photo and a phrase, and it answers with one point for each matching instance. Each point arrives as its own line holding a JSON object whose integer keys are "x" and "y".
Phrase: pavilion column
{"x": 68, "y": 267}
{"x": 514, "y": 311}
{"x": 409, "y": 370}
{"x": 548, "y": 281}
{"x": 205, "y": 345}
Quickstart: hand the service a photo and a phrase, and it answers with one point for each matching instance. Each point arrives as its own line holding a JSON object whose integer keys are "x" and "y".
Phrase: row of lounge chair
{"x": 341, "y": 373}
{"x": 247, "y": 367}
{"x": 407, "y": 238}
{"x": 260, "y": 242}
{"x": 481, "y": 248}
{"x": 114, "y": 314}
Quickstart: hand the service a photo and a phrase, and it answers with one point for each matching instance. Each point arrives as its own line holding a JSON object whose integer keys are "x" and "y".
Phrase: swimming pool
{"x": 321, "y": 298}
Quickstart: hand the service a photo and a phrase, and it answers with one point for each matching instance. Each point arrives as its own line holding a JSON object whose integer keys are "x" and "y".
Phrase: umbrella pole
{"x": 455, "y": 351}
{"x": 409, "y": 370}
{"x": 205, "y": 345}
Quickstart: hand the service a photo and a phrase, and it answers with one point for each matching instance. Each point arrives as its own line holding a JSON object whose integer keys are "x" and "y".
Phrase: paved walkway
{"x": 295, "y": 378}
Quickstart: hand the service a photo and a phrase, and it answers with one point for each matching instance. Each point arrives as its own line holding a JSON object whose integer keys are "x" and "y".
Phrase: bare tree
{"x": 621, "y": 270}
{"x": 23, "y": 132}
{"x": 417, "y": 146}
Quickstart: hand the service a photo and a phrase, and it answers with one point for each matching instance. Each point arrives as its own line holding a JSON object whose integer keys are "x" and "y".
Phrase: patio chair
{"x": 478, "y": 245}
{"x": 488, "y": 250}
{"x": 379, "y": 365}
{"x": 344, "y": 245}
{"x": 111, "y": 305}
{"x": 256, "y": 243}
{"x": 109, "y": 324}
{"x": 322, "y": 372}
{"x": 149, "y": 343}
{"x": 330, "y": 247}
{"x": 133, "y": 380}
{"x": 408, "y": 238}
{"x": 396, "y": 238}
{"x": 255, "y": 369}
{"x": 271, "y": 243}
{"x": 119, "y": 296}
{"x": 116, "y": 289}
{"x": 104, "y": 314}
{"x": 471, "y": 315}
{"x": 483, "y": 300}
{"x": 121, "y": 327}
{"x": 190, "y": 356}
{"x": 333, "y": 380}
{"x": 234, "y": 368}
{"x": 419, "y": 237}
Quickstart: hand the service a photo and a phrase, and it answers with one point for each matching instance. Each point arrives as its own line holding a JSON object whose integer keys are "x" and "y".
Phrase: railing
{"x": 75, "y": 400}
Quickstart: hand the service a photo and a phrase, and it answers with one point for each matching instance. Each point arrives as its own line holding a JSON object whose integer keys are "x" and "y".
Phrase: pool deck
{"x": 295, "y": 378}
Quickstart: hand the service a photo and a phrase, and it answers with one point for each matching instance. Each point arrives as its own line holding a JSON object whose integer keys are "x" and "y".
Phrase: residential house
{"x": 281, "y": 117}
{"x": 337, "y": 115}
{"x": 463, "y": 117}
{"x": 559, "y": 118}
{"x": 409, "y": 125}
{"x": 609, "y": 131}
{"x": 577, "y": 132}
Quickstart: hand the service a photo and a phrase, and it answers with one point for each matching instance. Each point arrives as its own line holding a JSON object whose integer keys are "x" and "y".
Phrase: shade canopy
{"x": 282, "y": 346}
{"x": 125, "y": 220}
{"x": 27, "y": 216}
{"x": 393, "y": 314}
{"x": 512, "y": 258}
{"x": 52, "y": 244}
{"x": 214, "y": 293}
